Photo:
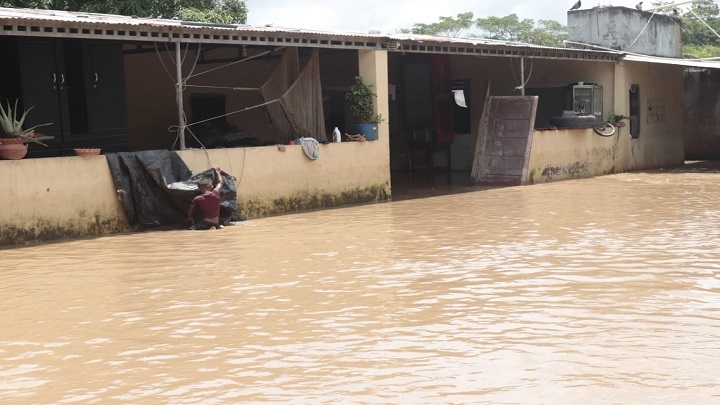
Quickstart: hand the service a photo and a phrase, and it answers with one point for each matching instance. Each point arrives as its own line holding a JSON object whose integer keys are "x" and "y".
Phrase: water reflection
{"x": 601, "y": 290}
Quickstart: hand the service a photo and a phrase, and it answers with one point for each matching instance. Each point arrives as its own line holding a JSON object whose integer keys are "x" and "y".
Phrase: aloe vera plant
{"x": 13, "y": 128}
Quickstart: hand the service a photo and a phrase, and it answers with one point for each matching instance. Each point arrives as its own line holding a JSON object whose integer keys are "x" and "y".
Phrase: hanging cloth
{"x": 286, "y": 72}
{"x": 310, "y": 146}
{"x": 299, "y": 112}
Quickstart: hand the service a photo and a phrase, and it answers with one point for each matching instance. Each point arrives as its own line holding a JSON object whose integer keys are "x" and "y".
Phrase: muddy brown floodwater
{"x": 594, "y": 291}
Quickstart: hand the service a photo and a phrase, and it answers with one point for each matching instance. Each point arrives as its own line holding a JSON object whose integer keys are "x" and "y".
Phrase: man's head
{"x": 205, "y": 184}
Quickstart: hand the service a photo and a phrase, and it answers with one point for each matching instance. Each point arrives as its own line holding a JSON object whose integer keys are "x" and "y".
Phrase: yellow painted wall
{"x": 563, "y": 154}
{"x": 67, "y": 197}
{"x": 150, "y": 81}
{"x": 503, "y": 76}
{"x": 272, "y": 181}
{"x": 55, "y": 198}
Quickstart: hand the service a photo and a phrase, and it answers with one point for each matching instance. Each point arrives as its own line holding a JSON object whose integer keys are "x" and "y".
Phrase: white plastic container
{"x": 337, "y": 137}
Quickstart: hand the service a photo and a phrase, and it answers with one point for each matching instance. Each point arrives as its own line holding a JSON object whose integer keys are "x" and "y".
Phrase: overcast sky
{"x": 388, "y": 16}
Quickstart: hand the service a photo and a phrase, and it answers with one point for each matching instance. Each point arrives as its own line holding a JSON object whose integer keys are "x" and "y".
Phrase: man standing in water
{"x": 207, "y": 204}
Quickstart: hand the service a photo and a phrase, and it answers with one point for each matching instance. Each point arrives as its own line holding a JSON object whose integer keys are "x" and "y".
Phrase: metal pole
{"x": 522, "y": 76}
{"x": 179, "y": 95}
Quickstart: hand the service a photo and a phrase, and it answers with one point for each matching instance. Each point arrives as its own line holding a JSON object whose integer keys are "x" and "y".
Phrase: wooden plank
{"x": 482, "y": 134}
{"x": 504, "y": 140}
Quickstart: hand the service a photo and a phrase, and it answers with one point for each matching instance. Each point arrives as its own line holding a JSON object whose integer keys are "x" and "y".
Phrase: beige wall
{"x": 563, "y": 154}
{"x": 69, "y": 197}
{"x": 151, "y": 108}
{"x": 150, "y": 81}
{"x": 64, "y": 197}
{"x": 151, "y": 98}
{"x": 503, "y": 76}
{"x": 271, "y": 181}
{"x": 55, "y": 198}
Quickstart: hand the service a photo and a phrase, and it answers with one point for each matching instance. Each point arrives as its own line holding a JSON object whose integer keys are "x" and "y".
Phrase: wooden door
{"x": 43, "y": 82}
{"x": 105, "y": 88}
{"x": 503, "y": 147}
{"x": 43, "y": 85}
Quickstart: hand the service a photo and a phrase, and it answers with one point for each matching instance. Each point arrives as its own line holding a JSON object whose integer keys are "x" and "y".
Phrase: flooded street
{"x": 594, "y": 291}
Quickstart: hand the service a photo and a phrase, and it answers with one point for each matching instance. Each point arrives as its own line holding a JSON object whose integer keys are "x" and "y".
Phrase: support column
{"x": 179, "y": 95}
{"x": 373, "y": 67}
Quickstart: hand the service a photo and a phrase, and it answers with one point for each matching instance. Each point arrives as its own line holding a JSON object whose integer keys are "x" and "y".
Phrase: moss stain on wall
{"x": 93, "y": 225}
{"x": 44, "y": 230}
{"x": 570, "y": 171}
{"x": 312, "y": 201}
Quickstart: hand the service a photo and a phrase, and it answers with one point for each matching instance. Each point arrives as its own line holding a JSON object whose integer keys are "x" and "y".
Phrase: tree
{"x": 694, "y": 31}
{"x": 447, "y": 27}
{"x": 511, "y": 28}
{"x": 215, "y": 11}
{"x": 508, "y": 28}
{"x": 226, "y": 12}
{"x": 550, "y": 33}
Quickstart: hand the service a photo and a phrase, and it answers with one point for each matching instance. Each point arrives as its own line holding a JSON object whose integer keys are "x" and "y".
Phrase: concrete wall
{"x": 626, "y": 29}
{"x": 65, "y": 197}
{"x": 702, "y": 109}
{"x": 502, "y": 75}
{"x": 70, "y": 197}
{"x": 150, "y": 82}
{"x": 557, "y": 155}
{"x": 54, "y": 198}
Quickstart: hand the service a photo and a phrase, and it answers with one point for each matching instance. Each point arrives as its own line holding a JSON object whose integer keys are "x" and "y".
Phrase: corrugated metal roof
{"x": 468, "y": 41}
{"x": 95, "y": 18}
{"x": 674, "y": 61}
{"x": 54, "y": 23}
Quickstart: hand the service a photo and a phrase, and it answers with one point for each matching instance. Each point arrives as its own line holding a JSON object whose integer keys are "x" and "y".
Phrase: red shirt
{"x": 208, "y": 205}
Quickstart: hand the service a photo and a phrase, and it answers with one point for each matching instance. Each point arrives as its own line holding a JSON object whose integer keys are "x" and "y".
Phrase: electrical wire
{"x": 643, "y": 30}
{"x": 515, "y": 76}
{"x": 704, "y": 23}
{"x": 223, "y": 87}
{"x": 237, "y": 61}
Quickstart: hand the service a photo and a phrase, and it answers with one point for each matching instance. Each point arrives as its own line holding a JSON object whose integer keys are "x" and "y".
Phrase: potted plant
{"x": 361, "y": 97}
{"x": 13, "y": 137}
{"x": 616, "y": 119}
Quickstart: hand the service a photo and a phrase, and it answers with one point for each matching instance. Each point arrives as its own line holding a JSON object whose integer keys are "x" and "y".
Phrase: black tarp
{"x": 156, "y": 187}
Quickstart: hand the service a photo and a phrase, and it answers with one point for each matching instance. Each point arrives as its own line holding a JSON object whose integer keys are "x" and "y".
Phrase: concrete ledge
{"x": 71, "y": 197}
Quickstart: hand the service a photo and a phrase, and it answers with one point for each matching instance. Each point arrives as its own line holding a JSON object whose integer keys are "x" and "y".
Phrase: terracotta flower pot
{"x": 87, "y": 151}
{"x": 12, "y": 148}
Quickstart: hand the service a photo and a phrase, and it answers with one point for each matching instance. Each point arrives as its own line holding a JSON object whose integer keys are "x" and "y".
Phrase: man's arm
{"x": 220, "y": 179}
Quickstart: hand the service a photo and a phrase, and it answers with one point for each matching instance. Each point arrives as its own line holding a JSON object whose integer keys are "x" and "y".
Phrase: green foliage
{"x": 447, "y": 27}
{"x": 694, "y": 31}
{"x": 215, "y": 11}
{"x": 227, "y": 12}
{"x": 360, "y": 97}
{"x": 701, "y": 51}
{"x": 615, "y": 117}
{"x": 511, "y": 28}
{"x": 549, "y": 33}
{"x": 508, "y": 28}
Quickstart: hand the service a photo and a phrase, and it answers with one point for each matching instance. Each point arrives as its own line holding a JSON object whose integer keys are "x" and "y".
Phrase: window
{"x": 634, "y": 111}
